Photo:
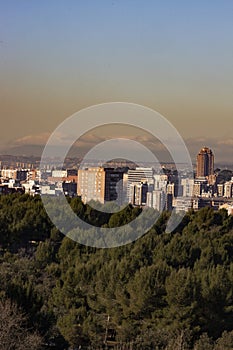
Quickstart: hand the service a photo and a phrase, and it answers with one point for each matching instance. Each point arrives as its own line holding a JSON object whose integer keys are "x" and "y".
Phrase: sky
{"x": 59, "y": 56}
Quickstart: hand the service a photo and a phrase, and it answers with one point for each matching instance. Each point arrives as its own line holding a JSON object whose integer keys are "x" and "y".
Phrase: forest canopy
{"x": 163, "y": 291}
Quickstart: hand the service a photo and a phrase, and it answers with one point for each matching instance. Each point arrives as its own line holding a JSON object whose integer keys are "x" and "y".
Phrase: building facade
{"x": 100, "y": 184}
{"x": 139, "y": 175}
{"x": 205, "y": 162}
{"x": 91, "y": 184}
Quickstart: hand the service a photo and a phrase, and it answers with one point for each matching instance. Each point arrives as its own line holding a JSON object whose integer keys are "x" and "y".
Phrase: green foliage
{"x": 22, "y": 219}
{"x": 164, "y": 291}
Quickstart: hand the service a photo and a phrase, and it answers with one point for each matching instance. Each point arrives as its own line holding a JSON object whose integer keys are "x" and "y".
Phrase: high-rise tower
{"x": 205, "y": 162}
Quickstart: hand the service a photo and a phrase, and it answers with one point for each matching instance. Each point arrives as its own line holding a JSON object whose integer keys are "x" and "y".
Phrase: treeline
{"x": 164, "y": 291}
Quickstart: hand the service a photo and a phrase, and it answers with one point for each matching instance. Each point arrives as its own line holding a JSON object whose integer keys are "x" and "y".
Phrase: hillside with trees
{"x": 170, "y": 291}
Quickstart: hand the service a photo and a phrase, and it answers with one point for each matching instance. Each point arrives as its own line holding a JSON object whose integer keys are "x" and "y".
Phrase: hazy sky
{"x": 59, "y": 56}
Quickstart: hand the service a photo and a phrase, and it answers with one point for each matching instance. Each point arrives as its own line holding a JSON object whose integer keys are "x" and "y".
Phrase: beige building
{"x": 220, "y": 190}
{"x": 101, "y": 184}
{"x": 8, "y": 173}
{"x": 138, "y": 193}
{"x": 91, "y": 184}
{"x": 15, "y": 174}
{"x": 197, "y": 189}
{"x": 228, "y": 189}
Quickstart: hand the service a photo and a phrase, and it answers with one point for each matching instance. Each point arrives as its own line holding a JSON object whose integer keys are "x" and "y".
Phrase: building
{"x": 113, "y": 190}
{"x": 6, "y": 189}
{"x": 101, "y": 184}
{"x": 197, "y": 189}
{"x": 182, "y": 204}
{"x": 160, "y": 181}
{"x": 220, "y": 190}
{"x": 8, "y": 173}
{"x": 125, "y": 198}
{"x": 169, "y": 202}
{"x": 69, "y": 175}
{"x": 33, "y": 175}
{"x": 205, "y": 162}
{"x": 139, "y": 175}
{"x": 32, "y": 187}
{"x": 156, "y": 199}
{"x": 228, "y": 189}
{"x": 200, "y": 186}
{"x": 69, "y": 188}
{"x": 91, "y": 184}
{"x": 138, "y": 193}
{"x": 59, "y": 173}
{"x": 173, "y": 189}
{"x": 15, "y": 174}
{"x": 198, "y": 203}
{"x": 187, "y": 186}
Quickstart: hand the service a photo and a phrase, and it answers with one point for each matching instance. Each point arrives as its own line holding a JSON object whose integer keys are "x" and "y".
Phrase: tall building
{"x": 168, "y": 203}
{"x": 100, "y": 184}
{"x": 139, "y": 175}
{"x": 156, "y": 199}
{"x": 173, "y": 189}
{"x": 114, "y": 185}
{"x": 205, "y": 162}
{"x": 187, "y": 185}
{"x": 138, "y": 193}
{"x": 91, "y": 184}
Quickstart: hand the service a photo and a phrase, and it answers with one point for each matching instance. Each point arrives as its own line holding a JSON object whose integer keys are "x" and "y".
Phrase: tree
{"x": 204, "y": 343}
{"x": 14, "y": 334}
{"x": 225, "y": 342}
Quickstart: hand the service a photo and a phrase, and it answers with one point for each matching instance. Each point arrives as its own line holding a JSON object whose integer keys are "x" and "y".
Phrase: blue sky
{"x": 176, "y": 57}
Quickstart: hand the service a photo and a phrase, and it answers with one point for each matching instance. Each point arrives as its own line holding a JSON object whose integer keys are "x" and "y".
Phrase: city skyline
{"x": 59, "y": 57}
{"x": 152, "y": 187}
